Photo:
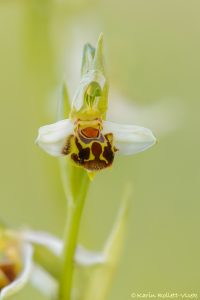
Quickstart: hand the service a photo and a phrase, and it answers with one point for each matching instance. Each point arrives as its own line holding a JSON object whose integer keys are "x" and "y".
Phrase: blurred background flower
{"x": 152, "y": 55}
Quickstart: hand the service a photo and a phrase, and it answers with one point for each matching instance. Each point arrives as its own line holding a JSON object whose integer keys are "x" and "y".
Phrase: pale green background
{"x": 152, "y": 52}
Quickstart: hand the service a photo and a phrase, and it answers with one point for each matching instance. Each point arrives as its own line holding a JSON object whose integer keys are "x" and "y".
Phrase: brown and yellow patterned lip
{"x": 96, "y": 156}
{"x": 88, "y": 147}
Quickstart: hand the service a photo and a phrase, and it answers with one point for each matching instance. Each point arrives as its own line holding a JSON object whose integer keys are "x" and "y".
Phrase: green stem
{"x": 70, "y": 240}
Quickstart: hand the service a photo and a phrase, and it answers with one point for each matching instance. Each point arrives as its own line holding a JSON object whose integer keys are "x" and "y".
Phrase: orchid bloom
{"x": 17, "y": 266}
{"x": 86, "y": 137}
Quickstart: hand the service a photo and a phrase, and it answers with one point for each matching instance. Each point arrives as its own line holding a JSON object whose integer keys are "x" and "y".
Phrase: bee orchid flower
{"x": 86, "y": 136}
{"x": 17, "y": 266}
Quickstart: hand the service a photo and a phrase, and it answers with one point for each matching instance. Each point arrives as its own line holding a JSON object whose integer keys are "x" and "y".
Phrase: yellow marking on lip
{"x": 89, "y": 147}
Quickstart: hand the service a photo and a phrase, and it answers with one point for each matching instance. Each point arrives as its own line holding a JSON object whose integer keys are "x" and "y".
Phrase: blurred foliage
{"x": 152, "y": 52}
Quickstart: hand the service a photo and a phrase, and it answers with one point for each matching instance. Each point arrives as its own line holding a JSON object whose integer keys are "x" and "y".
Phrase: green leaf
{"x": 94, "y": 282}
{"x": 98, "y": 62}
{"x": 63, "y": 106}
{"x": 46, "y": 259}
{"x": 88, "y": 56}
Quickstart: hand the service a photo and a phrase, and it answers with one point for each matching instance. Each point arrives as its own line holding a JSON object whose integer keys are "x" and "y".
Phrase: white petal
{"x": 54, "y": 244}
{"x": 51, "y": 138}
{"x": 22, "y": 279}
{"x": 129, "y": 139}
{"x": 44, "y": 282}
{"x": 85, "y": 257}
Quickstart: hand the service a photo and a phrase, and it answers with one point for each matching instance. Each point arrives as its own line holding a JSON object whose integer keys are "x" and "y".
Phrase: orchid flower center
{"x": 89, "y": 147}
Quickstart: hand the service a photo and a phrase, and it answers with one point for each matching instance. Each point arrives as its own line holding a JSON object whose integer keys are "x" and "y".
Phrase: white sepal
{"x": 23, "y": 277}
{"x": 85, "y": 257}
{"x": 51, "y": 138}
{"x": 44, "y": 282}
{"x": 54, "y": 244}
{"x": 129, "y": 139}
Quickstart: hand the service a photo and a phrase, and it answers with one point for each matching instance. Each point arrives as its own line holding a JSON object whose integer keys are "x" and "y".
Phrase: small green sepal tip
{"x": 91, "y": 98}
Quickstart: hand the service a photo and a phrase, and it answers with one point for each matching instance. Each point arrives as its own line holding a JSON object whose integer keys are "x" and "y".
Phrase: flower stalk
{"x": 76, "y": 183}
{"x": 74, "y": 212}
